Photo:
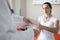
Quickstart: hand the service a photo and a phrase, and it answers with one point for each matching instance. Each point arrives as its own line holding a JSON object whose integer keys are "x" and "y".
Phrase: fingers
{"x": 24, "y": 25}
{"x": 21, "y": 25}
{"x": 27, "y": 21}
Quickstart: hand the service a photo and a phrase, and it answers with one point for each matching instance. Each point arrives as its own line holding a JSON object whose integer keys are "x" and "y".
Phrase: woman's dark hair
{"x": 49, "y": 4}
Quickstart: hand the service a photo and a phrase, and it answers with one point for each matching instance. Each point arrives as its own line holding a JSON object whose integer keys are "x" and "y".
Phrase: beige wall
{"x": 23, "y": 7}
{"x": 34, "y": 11}
{"x": 19, "y": 7}
{"x": 16, "y": 6}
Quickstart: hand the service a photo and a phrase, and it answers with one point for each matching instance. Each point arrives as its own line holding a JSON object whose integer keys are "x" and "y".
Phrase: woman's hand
{"x": 41, "y": 27}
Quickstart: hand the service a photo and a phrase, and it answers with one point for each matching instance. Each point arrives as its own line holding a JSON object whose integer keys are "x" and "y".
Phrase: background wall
{"x": 23, "y": 7}
{"x": 19, "y": 7}
{"x": 16, "y": 6}
{"x": 29, "y": 10}
{"x": 34, "y": 11}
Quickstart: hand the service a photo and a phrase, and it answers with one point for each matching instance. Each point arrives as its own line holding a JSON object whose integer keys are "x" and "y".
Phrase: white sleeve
{"x": 55, "y": 19}
{"x": 18, "y": 18}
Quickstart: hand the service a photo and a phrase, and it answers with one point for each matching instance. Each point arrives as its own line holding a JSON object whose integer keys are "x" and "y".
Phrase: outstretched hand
{"x": 21, "y": 25}
{"x": 27, "y": 21}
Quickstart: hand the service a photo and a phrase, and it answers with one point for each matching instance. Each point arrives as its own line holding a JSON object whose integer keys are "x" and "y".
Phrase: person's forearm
{"x": 40, "y": 27}
{"x": 54, "y": 30}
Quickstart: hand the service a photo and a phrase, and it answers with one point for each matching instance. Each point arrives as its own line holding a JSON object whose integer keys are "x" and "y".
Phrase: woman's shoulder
{"x": 40, "y": 17}
{"x": 54, "y": 18}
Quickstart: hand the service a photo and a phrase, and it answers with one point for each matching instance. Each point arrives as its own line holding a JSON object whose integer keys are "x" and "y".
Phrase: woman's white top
{"x": 46, "y": 35}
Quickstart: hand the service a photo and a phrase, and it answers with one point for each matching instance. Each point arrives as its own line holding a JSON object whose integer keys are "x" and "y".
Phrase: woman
{"x": 48, "y": 24}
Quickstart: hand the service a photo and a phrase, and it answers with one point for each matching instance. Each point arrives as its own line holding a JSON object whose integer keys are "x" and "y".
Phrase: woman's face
{"x": 46, "y": 9}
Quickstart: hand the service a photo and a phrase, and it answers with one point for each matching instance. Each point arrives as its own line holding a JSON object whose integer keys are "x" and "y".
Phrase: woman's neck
{"x": 47, "y": 16}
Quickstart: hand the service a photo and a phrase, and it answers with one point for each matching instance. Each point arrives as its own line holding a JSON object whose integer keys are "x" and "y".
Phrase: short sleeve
{"x": 18, "y": 19}
{"x": 55, "y": 19}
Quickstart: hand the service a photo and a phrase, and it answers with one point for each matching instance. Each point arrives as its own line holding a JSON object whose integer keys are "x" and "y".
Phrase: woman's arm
{"x": 27, "y": 21}
{"x": 54, "y": 30}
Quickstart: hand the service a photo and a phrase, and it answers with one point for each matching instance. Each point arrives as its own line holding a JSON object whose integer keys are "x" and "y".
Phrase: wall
{"x": 19, "y": 7}
{"x": 34, "y": 11}
{"x": 23, "y": 7}
{"x": 16, "y": 6}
